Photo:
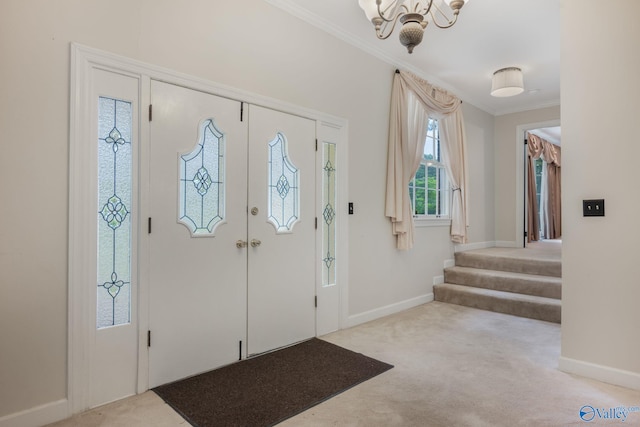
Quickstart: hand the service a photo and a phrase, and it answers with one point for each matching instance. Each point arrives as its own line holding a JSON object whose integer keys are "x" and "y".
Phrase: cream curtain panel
{"x": 551, "y": 192}
{"x": 413, "y": 101}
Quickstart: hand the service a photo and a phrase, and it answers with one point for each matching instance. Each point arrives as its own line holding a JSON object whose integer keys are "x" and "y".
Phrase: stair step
{"x": 496, "y": 260}
{"x": 533, "y": 307}
{"x": 529, "y": 284}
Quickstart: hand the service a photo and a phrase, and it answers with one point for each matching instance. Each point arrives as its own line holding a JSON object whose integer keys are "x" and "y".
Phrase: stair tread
{"x": 502, "y": 261}
{"x": 501, "y": 294}
{"x": 506, "y": 274}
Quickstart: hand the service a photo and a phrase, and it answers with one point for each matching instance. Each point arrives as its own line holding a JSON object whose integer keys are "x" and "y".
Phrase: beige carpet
{"x": 454, "y": 366}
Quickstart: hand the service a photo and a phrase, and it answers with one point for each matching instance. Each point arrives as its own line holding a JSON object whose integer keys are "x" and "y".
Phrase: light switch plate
{"x": 593, "y": 207}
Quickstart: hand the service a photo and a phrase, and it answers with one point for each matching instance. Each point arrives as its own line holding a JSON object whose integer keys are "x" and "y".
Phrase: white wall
{"x": 507, "y": 218}
{"x": 601, "y": 286}
{"x": 225, "y": 42}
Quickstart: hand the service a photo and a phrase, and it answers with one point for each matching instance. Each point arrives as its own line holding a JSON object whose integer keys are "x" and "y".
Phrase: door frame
{"x": 521, "y": 177}
{"x": 331, "y": 313}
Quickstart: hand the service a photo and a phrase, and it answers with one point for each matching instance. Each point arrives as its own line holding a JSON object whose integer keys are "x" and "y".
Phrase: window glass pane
{"x": 411, "y": 194}
{"x": 432, "y": 143}
{"x": 201, "y": 186}
{"x": 538, "y": 166}
{"x": 432, "y": 182}
{"x": 114, "y": 216}
{"x": 420, "y": 201}
{"x": 418, "y": 197}
{"x": 283, "y": 204}
{"x": 444, "y": 192}
{"x": 329, "y": 215}
{"x": 429, "y": 150}
{"x": 432, "y": 205}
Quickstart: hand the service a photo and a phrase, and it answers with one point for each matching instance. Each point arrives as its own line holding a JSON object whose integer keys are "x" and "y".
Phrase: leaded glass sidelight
{"x": 329, "y": 214}
{"x": 114, "y": 216}
{"x": 201, "y": 193}
{"x": 283, "y": 204}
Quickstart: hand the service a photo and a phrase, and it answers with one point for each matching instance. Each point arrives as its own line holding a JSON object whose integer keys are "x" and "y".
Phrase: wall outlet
{"x": 593, "y": 207}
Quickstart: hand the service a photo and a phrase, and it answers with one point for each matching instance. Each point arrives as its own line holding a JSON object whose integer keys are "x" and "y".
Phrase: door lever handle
{"x": 255, "y": 243}
{"x": 241, "y": 244}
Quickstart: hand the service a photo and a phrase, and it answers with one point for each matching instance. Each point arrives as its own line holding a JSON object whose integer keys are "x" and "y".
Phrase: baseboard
{"x": 38, "y": 416}
{"x": 507, "y": 244}
{"x": 449, "y": 263}
{"x": 472, "y": 246}
{"x": 602, "y": 373}
{"x": 437, "y": 280}
{"x": 367, "y": 316}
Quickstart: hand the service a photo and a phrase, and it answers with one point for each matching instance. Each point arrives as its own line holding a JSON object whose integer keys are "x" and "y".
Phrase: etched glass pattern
{"x": 202, "y": 182}
{"x": 114, "y": 215}
{"x": 329, "y": 214}
{"x": 283, "y": 204}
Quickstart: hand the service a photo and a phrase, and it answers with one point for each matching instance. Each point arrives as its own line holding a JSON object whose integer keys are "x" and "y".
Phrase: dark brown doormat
{"x": 268, "y": 389}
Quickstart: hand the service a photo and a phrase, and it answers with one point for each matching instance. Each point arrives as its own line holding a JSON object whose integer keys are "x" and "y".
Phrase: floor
{"x": 453, "y": 366}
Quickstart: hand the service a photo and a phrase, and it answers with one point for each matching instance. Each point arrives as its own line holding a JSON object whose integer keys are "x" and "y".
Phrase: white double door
{"x": 249, "y": 286}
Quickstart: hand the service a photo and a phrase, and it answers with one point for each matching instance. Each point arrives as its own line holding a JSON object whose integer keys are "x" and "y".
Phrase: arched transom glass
{"x": 283, "y": 190}
{"x": 201, "y": 187}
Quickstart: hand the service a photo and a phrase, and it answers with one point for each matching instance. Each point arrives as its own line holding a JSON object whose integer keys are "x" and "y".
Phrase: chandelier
{"x": 414, "y": 15}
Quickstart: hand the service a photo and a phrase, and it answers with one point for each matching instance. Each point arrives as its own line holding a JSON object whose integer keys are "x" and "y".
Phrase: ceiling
{"x": 550, "y": 134}
{"x": 489, "y": 35}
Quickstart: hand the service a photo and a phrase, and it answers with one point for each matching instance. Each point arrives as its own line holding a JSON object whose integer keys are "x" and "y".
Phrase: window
{"x": 114, "y": 217}
{"x": 539, "y": 164}
{"x": 429, "y": 189}
{"x": 329, "y": 201}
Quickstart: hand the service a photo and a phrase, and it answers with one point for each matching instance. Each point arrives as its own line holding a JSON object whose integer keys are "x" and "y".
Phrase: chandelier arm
{"x": 425, "y": 10}
{"x": 450, "y": 21}
{"x": 380, "y": 31}
{"x": 381, "y": 13}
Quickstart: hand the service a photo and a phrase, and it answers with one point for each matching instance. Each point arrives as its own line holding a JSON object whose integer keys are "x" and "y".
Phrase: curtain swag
{"x": 413, "y": 101}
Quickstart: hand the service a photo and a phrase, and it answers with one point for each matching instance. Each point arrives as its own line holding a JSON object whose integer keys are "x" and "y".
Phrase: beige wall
{"x": 480, "y": 159}
{"x": 600, "y": 92}
{"x": 507, "y": 186}
{"x": 287, "y": 60}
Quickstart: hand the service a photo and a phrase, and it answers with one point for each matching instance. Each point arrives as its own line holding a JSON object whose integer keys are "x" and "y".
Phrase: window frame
{"x": 443, "y": 188}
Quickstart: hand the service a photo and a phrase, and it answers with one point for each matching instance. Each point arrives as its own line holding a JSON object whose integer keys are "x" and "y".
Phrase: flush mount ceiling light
{"x": 414, "y": 15}
{"x": 507, "y": 82}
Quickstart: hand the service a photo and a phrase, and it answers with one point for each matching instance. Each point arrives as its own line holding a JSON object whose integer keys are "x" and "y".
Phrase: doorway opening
{"x": 543, "y": 189}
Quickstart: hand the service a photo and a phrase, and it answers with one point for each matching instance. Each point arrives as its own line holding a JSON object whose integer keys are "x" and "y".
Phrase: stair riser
{"x": 518, "y": 285}
{"x": 540, "y": 311}
{"x": 516, "y": 265}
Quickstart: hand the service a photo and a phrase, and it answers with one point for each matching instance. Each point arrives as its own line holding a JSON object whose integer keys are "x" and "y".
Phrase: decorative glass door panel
{"x": 283, "y": 202}
{"x": 201, "y": 187}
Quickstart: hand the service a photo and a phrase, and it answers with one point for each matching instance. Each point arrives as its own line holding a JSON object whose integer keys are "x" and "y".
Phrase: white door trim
{"x": 83, "y": 60}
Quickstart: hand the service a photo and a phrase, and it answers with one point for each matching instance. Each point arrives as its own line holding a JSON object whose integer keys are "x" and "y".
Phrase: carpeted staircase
{"x": 496, "y": 280}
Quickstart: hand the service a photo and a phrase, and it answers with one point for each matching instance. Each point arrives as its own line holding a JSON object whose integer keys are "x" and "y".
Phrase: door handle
{"x": 241, "y": 244}
{"x": 255, "y": 243}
